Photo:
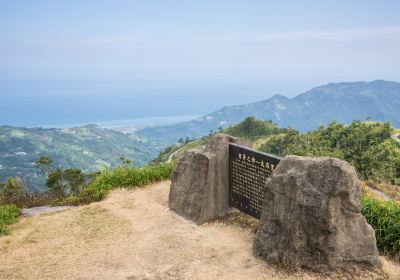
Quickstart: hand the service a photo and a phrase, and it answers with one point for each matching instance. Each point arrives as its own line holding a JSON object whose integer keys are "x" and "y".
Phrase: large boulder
{"x": 312, "y": 216}
{"x": 200, "y": 181}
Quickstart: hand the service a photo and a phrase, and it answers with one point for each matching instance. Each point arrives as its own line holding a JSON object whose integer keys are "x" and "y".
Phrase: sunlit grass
{"x": 128, "y": 177}
{"x": 384, "y": 217}
{"x": 8, "y": 215}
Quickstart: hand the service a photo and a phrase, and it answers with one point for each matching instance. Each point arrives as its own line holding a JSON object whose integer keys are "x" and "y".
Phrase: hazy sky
{"x": 248, "y": 40}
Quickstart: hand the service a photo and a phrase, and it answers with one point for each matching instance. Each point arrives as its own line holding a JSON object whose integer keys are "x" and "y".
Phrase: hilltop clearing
{"x": 132, "y": 235}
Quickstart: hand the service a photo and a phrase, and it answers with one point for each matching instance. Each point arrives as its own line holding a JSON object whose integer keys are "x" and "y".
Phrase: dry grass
{"x": 47, "y": 246}
{"x": 391, "y": 190}
{"x": 131, "y": 235}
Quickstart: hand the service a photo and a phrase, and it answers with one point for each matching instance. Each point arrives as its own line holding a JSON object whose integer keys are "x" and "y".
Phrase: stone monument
{"x": 309, "y": 208}
{"x": 200, "y": 181}
{"x": 312, "y": 216}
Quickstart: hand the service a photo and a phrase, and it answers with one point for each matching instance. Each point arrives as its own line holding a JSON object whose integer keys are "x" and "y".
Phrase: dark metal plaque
{"x": 248, "y": 172}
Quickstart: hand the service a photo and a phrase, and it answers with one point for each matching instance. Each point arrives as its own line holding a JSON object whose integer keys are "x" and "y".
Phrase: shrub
{"x": 88, "y": 195}
{"x": 13, "y": 192}
{"x": 122, "y": 176}
{"x": 8, "y": 215}
{"x": 252, "y": 128}
{"x": 368, "y": 146}
{"x": 384, "y": 217}
{"x": 131, "y": 176}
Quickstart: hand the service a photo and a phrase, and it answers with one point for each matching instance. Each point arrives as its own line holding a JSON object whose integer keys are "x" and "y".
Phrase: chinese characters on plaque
{"x": 248, "y": 172}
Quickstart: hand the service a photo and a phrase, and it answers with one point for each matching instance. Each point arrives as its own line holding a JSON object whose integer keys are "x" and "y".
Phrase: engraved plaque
{"x": 248, "y": 172}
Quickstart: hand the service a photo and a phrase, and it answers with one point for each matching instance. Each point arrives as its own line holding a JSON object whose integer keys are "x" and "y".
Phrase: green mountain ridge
{"x": 88, "y": 148}
{"x": 91, "y": 147}
{"x": 343, "y": 102}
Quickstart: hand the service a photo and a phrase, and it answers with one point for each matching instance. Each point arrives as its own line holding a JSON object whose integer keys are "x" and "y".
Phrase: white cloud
{"x": 118, "y": 40}
{"x": 88, "y": 42}
{"x": 362, "y": 33}
{"x": 227, "y": 38}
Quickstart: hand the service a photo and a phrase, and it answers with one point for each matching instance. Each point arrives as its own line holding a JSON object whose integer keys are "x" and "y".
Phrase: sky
{"x": 249, "y": 49}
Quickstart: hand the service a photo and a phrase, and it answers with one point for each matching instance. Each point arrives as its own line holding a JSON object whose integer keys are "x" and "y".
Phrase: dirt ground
{"x": 132, "y": 235}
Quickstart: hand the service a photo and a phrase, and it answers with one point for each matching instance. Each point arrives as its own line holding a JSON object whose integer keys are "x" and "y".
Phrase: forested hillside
{"x": 343, "y": 102}
{"x": 369, "y": 146}
{"x": 88, "y": 148}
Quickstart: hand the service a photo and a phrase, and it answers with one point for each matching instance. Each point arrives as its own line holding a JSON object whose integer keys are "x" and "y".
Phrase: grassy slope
{"x": 179, "y": 150}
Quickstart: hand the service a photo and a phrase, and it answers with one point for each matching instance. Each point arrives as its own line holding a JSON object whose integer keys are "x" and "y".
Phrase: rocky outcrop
{"x": 200, "y": 181}
{"x": 312, "y": 216}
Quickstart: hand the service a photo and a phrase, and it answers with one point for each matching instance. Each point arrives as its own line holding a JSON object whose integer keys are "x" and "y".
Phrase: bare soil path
{"x": 34, "y": 211}
{"x": 172, "y": 155}
{"x": 132, "y": 235}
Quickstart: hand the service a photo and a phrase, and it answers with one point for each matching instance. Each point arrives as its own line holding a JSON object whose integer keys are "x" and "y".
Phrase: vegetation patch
{"x": 179, "y": 150}
{"x": 131, "y": 177}
{"x": 87, "y": 148}
{"x": 74, "y": 187}
{"x": 252, "y": 128}
{"x": 368, "y": 146}
{"x": 8, "y": 215}
{"x": 392, "y": 191}
{"x": 127, "y": 177}
{"x": 384, "y": 217}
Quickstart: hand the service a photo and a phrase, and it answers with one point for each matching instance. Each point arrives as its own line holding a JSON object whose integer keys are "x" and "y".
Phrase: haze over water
{"x": 73, "y": 62}
{"x": 72, "y": 103}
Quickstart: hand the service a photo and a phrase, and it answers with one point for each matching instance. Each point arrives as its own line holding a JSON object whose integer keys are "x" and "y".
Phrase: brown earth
{"x": 132, "y": 235}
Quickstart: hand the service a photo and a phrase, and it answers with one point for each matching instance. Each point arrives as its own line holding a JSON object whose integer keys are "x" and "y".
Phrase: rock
{"x": 200, "y": 181}
{"x": 312, "y": 216}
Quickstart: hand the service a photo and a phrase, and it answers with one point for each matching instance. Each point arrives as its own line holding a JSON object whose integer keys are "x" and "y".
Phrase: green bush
{"x": 13, "y": 192}
{"x": 8, "y": 215}
{"x": 128, "y": 177}
{"x": 120, "y": 177}
{"x": 384, "y": 217}
{"x": 252, "y": 128}
{"x": 368, "y": 146}
{"x": 90, "y": 194}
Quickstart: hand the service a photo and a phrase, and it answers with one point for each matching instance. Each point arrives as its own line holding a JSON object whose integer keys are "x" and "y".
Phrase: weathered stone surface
{"x": 200, "y": 181}
{"x": 311, "y": 216}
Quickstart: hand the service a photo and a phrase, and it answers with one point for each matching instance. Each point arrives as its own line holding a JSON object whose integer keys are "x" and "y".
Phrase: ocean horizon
{"x": 132, "y": 122}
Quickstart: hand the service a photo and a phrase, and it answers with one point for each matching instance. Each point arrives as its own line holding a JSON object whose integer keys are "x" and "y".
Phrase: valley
{"x": 90, "y": 148}
{"x": 93, "y": 147}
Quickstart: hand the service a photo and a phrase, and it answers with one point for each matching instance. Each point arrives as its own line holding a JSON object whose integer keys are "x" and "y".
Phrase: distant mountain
{"x": 89, "y": 148}
{"x": 343, "y": 102}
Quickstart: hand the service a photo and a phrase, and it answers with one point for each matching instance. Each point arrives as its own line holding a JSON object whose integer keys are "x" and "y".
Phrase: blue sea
{"x": 51, "y": 103}
{"x": 135, "y": 123}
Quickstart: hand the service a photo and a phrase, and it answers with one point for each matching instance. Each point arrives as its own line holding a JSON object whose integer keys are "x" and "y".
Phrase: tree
{"x": 12, "y": 192}
{"x": 125, "y": 161}
{"x": 252, "y": 128}
{"x": 44, "y": 165}
{"x": 75, "y": 179}
{"x": 54, "y": 184}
